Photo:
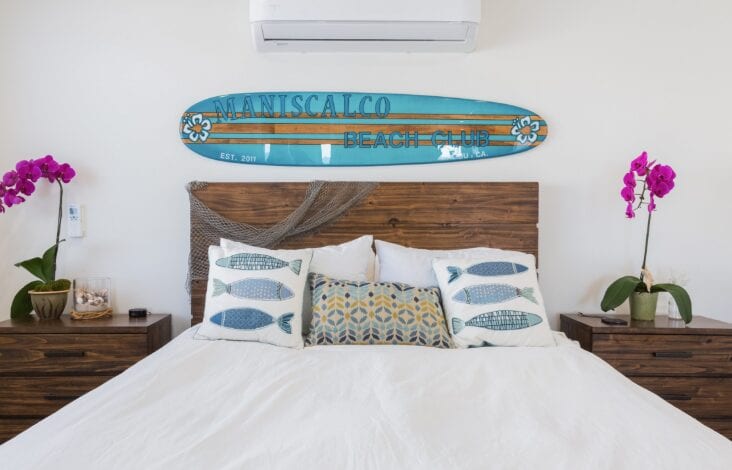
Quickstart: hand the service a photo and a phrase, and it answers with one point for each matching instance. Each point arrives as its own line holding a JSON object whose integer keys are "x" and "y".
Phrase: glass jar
{"x": 92, "y": 294}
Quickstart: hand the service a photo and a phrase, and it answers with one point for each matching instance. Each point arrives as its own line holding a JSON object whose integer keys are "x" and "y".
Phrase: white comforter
{"x": 224, "y": 404}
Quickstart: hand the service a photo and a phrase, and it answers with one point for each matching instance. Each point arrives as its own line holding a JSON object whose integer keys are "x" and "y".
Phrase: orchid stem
{"x": 58, "y": 226}
{"x": 645, "y": 250}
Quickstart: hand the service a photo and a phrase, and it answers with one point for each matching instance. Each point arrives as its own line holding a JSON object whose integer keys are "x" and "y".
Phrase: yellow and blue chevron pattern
{"x": 349, "y": 312}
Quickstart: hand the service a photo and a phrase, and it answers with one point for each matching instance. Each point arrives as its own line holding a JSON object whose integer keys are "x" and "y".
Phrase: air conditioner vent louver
{"x": 344, "y": 25}
{"x": 364, "y": 31}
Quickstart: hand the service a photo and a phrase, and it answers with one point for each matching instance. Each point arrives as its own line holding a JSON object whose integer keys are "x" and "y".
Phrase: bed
{"x": 226, "y": 404}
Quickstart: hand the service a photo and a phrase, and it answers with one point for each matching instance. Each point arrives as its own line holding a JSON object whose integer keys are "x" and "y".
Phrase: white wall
{"x": 102, "y": 85}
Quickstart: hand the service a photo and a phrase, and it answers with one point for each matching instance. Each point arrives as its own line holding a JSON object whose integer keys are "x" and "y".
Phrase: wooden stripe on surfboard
{"x": 290, "y": 141}
{"x": 463, "y": 117}
{"x": 263, "y": 128}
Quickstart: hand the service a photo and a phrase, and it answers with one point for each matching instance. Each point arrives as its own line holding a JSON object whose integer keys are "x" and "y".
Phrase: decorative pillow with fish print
{"x": 353, "y": 312}
{"x": 413, "y": 266}
{"x": 255, "y": 294}
{"x": 493, "y": 300}
{"x": 352, "y": 260}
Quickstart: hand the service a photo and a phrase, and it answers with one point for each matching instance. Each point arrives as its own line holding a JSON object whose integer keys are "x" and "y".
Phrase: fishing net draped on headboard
{"x": 324, "y": 202}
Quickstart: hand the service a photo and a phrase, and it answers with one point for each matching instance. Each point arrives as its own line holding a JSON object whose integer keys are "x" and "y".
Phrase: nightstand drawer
{"x": 69, "y": 354}
{"x": 44, "y": 365}
{"x": 41, "y": 396}
{"x": 666, "y": 355}
{"x": 700, "y": 397}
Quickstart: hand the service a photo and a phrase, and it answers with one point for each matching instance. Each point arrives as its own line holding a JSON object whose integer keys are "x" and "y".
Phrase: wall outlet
{"x": 74, "y": 221}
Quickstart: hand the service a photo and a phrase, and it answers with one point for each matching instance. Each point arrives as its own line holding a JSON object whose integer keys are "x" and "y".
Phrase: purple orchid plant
{"x": 643, "y": 185}
{"x": 15, "y": 187}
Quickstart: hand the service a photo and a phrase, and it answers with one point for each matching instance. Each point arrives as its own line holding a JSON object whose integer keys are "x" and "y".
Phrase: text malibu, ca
{"x": 286, "y": 106}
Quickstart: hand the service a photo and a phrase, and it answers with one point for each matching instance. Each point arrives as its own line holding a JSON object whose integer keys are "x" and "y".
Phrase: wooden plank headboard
{"x": 422, "y": 215}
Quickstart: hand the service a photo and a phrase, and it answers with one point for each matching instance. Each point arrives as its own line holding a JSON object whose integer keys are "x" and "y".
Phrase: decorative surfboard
{"x": 355, "y": 129}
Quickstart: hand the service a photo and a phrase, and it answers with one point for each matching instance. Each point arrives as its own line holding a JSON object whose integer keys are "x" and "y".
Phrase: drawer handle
{"x": 54, "y": 397}
{"x": 64, "y": 353}
{"x": 678, "y": 354}
{"x": 675, "y": 396}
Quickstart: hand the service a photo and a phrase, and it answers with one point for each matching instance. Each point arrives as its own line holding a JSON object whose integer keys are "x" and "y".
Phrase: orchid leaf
{"x": 35, "y": 267}
{"x": 49, "y": 263}
{"x": 680, "y": 296}
{"x": 21, "y": 306}
{"x": 618, "y": 292}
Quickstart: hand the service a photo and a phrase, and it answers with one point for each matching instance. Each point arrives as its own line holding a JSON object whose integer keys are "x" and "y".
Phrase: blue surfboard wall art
{"x": 355, "y": 129}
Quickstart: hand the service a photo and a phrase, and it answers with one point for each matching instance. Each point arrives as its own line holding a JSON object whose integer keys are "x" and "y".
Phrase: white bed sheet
{"x": 229, "y": 405}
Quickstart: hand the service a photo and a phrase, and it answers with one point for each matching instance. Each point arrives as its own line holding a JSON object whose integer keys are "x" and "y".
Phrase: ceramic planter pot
{"x": 643, "y": 306}
{"x": 49, "y": 305}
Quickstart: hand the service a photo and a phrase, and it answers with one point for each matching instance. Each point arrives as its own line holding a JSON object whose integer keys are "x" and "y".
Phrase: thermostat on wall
{"x": 74, "y": 221}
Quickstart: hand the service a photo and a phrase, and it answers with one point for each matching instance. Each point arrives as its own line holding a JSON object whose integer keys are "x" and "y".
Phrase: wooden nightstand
{"x": 46, "y": 364}
{"x": 690, "y": 366}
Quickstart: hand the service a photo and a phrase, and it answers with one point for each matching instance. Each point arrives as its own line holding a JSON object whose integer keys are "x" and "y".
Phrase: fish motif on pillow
{"x": 257, "y": 262}
{"x": 500, "y": 320}
{"x": 251, "y": 319}
{"x": 254, "y": 289}
{"x": 487, "y": 269}
{"x": 482, "y": 294}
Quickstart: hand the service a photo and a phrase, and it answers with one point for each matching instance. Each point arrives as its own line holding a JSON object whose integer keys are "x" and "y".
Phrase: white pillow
{"x": 353, "y": 261}
{"x": 493, "y": 300}
{"x": 255, "y": 294}
{"x": 413, "y": 266}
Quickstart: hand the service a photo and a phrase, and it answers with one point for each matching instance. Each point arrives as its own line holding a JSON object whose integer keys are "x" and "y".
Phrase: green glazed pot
{"x": 49, "y": 305}
{"x": 643, "y": 306}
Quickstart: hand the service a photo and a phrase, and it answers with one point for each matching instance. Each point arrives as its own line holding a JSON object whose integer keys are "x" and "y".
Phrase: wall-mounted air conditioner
{"x": 365, "y": 25}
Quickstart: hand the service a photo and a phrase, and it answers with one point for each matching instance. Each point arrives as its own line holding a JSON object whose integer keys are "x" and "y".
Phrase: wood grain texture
{"x": 701, "y": 397}
{"x": 11, "y": 427}
{"x": 336, "y": 128}
{"x": 722, "y": 426}
{"x": 661, "y": 325}
{"x": 339, "y": 142}
{"x": 423, "y": 215}
{"x": 691, "y": 343}
{"x": 576, "y": 331}
{"x": 117, "y": 324}
{"x": 46, "y": 364}
{"x": 690, "y": 366}
{"x": 69, "y": 354}
{"x": 267, "y": 203}
{"x": 664, "y": 355}
{"x": 30, "y": 397}
{"x": 158, "y": 333}
{"x": 639, "y": 365}
{"x": 473, "y": 117}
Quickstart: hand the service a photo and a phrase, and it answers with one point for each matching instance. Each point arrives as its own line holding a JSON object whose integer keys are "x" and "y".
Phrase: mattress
{"x": 227, "y": 405}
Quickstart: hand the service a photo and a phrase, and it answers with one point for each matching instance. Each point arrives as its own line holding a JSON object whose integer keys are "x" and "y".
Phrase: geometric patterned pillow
{"x": 354, "y": 312}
